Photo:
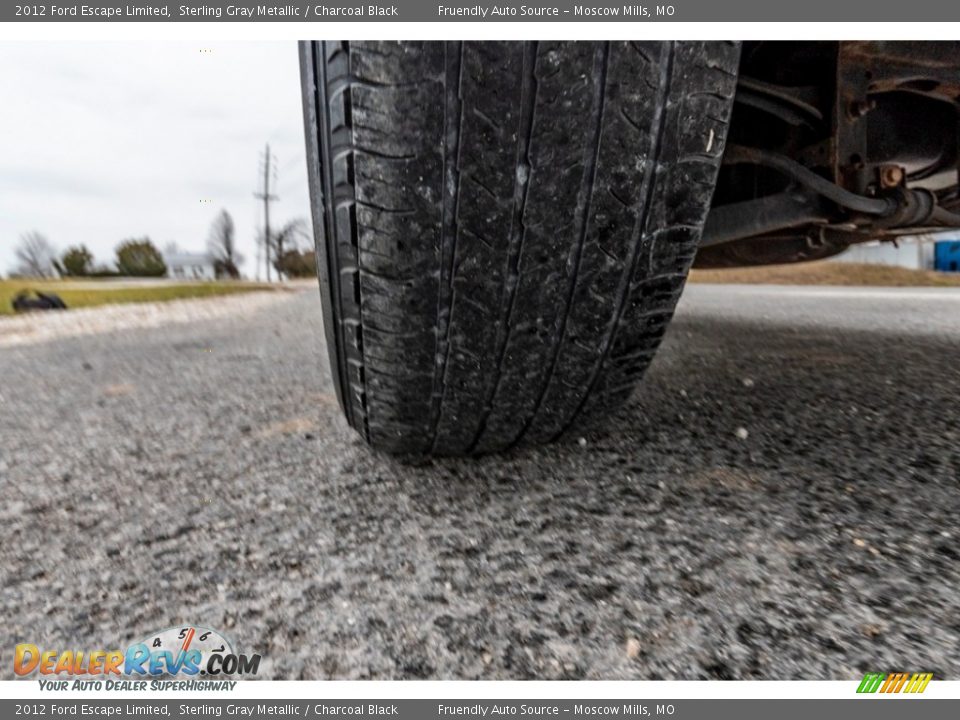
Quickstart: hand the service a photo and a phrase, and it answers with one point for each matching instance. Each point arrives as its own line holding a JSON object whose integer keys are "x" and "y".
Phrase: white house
{"x": 915, "y": 253}
{"x": 189, "y": 266}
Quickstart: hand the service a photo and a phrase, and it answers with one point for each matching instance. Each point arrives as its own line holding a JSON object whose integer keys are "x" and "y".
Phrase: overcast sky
{"x": 104, "y": 141}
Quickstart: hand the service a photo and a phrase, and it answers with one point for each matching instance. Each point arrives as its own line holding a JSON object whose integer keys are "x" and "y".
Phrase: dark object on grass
{"x": 22, "y": 302}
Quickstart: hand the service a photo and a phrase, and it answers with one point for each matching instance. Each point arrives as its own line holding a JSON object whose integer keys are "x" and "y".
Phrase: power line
{"x": 265, "y": 195}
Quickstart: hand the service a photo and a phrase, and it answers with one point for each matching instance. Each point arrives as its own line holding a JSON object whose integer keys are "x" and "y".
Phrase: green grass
{"x": 88, "y": 293}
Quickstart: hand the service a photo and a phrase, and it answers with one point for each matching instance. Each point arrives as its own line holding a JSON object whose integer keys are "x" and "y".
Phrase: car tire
{"x": 504, "y": 228}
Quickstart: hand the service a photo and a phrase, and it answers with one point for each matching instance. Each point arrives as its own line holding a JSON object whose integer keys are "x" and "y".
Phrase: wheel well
{"x": 878, "y": 120}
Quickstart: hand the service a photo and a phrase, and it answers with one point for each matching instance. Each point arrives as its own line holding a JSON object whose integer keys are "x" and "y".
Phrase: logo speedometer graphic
{"x": 193, "y": 643}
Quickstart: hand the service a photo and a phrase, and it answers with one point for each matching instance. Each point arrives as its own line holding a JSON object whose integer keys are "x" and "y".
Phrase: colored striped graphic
{"x": 895, "y": 682}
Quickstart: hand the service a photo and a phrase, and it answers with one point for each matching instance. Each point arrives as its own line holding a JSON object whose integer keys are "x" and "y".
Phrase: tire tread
{"x": 512, "y": 225}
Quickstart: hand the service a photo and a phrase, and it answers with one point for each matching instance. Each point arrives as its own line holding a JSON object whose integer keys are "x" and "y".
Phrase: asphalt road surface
{"x": 780, "y": 500}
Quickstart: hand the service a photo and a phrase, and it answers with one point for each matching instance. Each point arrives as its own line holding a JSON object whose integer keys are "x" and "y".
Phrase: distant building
{"x": 916, "y": 253}
{"x": 189, "y": 266}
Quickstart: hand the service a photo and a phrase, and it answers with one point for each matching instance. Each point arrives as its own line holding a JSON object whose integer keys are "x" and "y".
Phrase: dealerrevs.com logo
{"x": 178, "y": 652}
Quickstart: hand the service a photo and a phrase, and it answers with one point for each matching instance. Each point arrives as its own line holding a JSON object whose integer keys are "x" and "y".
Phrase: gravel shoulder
{"x": 37, "y": 327}
{"x": 778, "y": 501}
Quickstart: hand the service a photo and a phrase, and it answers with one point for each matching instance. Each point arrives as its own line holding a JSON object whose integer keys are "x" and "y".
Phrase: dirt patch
{"x": 828, "y": 273}
{"x": 288, "y": 427}
{"x": 118, "y": 390}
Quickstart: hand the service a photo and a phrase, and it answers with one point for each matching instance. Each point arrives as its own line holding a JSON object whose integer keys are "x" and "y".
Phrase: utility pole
{"x": 265, "y": 195}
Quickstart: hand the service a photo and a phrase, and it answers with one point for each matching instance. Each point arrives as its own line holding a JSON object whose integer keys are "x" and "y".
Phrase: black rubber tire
{"x": 504, "y": 228}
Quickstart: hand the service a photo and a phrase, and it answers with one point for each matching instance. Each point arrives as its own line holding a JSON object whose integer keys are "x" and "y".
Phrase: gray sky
{"x": 104, "y": 141}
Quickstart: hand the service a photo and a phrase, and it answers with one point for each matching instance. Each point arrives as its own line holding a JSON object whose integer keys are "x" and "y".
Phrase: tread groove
{"x": 518, "y": 231}
{"x": 453, "y": 67}
{"x": 589, "y": 185}
{"x": 646, "y": 191}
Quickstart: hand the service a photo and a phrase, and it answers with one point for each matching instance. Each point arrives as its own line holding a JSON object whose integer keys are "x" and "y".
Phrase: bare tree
{"x": 294, "y": 236}
{"x": 222, "y": 246}
{"x": 36, "y": 256}
{"x": 293, "y": 250}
